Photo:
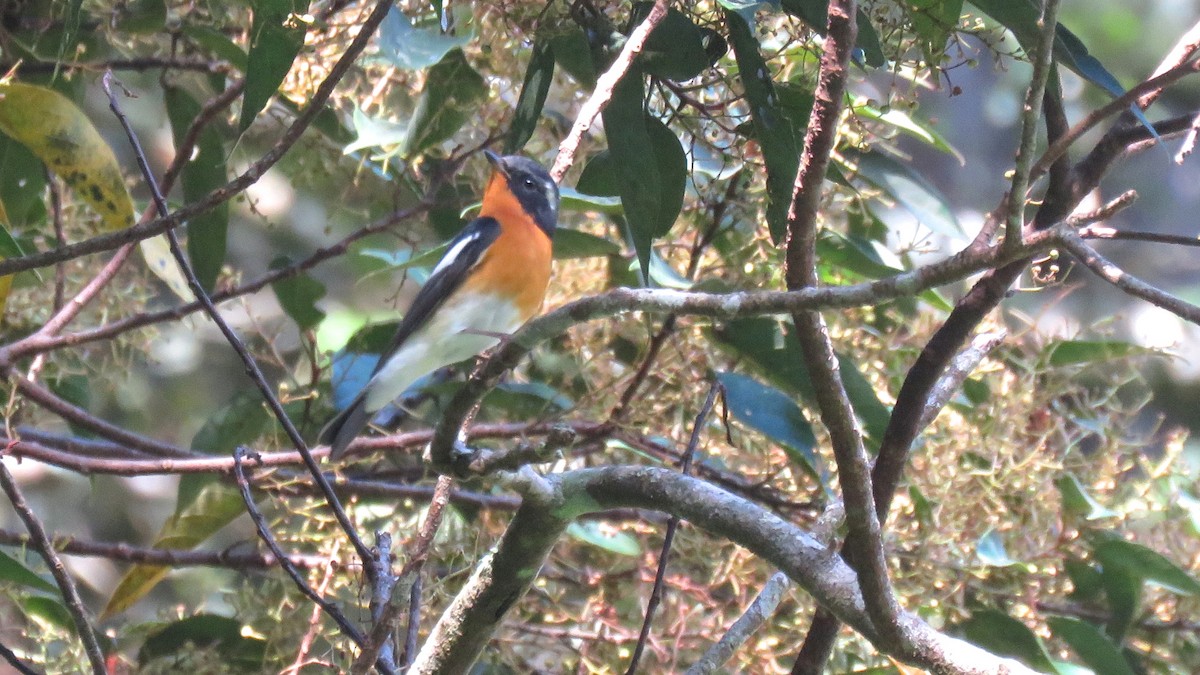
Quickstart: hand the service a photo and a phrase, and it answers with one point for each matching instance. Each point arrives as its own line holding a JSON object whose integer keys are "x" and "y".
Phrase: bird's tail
{"x": 346, "y": 426}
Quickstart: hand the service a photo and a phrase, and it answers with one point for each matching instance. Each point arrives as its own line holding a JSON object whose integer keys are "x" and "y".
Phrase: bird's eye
{"x": 529, "y": 183}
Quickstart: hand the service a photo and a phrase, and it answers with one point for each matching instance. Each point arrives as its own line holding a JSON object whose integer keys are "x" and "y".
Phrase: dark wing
{"x": 462, "y": 254}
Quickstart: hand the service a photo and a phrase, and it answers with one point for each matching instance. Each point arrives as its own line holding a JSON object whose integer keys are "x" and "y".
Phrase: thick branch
{"x": 553, "y": 501}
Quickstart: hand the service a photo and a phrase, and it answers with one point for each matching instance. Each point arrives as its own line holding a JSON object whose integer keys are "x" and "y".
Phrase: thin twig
{"x": 316, "y": 104}
{"x": 1125, "y": 281}
{"x": 15, "y": 661}
{"x": 960, "y": 369}
{"x": 1014, "y": 222}
{"x": 41, "y": 543}
{"x": 314, "y": 619}
{"x": 604, "y": 89}
{"x": 754, "y": 617}
{"x": 74, "y": 546}
{"x": 390, "y": 615}
{"x": 1113, "y": 234}
{"x": 264, "y": 533}
{"x": 672, "y": 525}
{"x": 251, "y": 366}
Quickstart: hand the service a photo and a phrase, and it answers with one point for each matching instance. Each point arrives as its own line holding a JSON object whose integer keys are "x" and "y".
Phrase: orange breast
{"x": 516, "y": 265}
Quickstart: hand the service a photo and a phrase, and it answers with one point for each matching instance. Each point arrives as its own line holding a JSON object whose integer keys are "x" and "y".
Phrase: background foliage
{"x": 1049, "y": 513}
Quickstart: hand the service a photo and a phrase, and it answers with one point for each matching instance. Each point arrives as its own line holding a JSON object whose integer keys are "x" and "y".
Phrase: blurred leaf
{"x": 1074, "y": 352}
{"x": 1085, "y": 579}
{"x": 1101, "y": 654}
{"x": 813, "y": 12}
{"x": 527, "y": 399}
{"x": 221, "y": 633}
{"x": 1077, "y": 502}
{"x": 452, "y": 91}
{"x": 203, "y": 173}
{"x": 1146, "y": 564}
{"x": 605, "y": 536}
{"x": 14, "y": 572}
{"x": 779, "y": 356}
{"x": 141, "y": 16}
{"x": 58, "y": 133}
{"x": 573, "y": 54}
{"x": 1003, "y": 635}
{"x": 156, "y": 251}
{"x": 990, "y": 550}
{"x": 538, "y": 76}
{"x": 934, "y": 22}
{"x": 9, "y": 248}
{"x": 374, "y": 132}
{"x": 415, "y": 48}
{"x": 573, "y": 200}
{"x": 276, "y": 37}
{"x": 298, "y": 295}
{"x": 22, "y": 184}
{"x": 1123, "y": 590}
{"x": 922, "y": 507}
{"x": 674, "y": 50}
{"x": 49, "y": 610}
{"x": 212, "y": 509}
{"x": 910, "y": 189}
{"x": 775, "y": 415}
{"x": 76, "y": 390}
{"x": 772, "y": 129}
{"x": 218, "y": 43}
{"x": 853, "y": 254}
{"x": 906, "y": 124}
{"x": 573, "y": 244}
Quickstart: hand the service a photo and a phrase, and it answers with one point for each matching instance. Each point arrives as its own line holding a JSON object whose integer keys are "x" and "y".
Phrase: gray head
{"x": 532, "y": 185}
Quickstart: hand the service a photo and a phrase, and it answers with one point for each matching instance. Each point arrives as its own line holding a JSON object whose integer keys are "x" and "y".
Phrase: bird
{"x": 491, "y": 280}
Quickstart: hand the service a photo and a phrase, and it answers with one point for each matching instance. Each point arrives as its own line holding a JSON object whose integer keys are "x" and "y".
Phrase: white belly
{"x": 458, "y": 330}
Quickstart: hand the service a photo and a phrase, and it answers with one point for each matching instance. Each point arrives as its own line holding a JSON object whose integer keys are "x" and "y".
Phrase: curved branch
{"x": 553, "y": 501}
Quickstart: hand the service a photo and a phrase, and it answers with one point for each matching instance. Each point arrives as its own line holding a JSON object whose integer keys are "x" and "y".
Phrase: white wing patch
{"x": 453, "y": 253}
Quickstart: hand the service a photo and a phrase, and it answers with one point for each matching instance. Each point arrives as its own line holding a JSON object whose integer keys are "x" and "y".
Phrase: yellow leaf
{"x": 5, "y": 281}
{"x": 57, "y": 131}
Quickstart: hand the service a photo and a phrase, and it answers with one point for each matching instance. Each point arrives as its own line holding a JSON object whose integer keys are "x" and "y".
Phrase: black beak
{"x": 496, "y": 161}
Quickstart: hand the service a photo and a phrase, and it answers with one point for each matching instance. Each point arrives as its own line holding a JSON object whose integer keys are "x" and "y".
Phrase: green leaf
{"x": 452, "y": 91}
{"x": 813, "y": 12}
{"x": 1100, "y": 653}
{"x": 573, "y": 200}
{"x": 538, "y": 76}
{"x": 205, "y": 172}
{"x": 527, "y": 399}
{"x": 22, "y": 184}
{"x": 778, "y": 355}
{"x": 218, "y": 43}
{"x": 1123, "y": 590}
{"x": 213, "y": 508}
{"x": 298, "y": 295}
{"x": 1146, "y": 564}
{"x": 375, "y": 132}
{"x": 573, "y": 54}
{"x": 573, "y": 244}
{"x": 674, "y": 50}
{"x": 990, "y": 550}
{"x": 141, "y": 16}
{"x": 903, "y": 122}
{"x": 1086, "y": 580}
{"x": 934, "y": 21}
{"x": 411, "y": 47}
{"x": 910, "y": 189}
{"x": 772, "y": 128}
{"x": 13, "y": 572}
{"x": 49, "y": 610}
{"x": 1075, "y": 352}
{"x": 645, "y": 165}
{"x": 1003, "y": 635}
{"x": 220, "y": 633}
{"x": 605, "y": 536}
{"x": 276, "y": 37}
{"x": 1077, "y": 502}
{"x": 773, "y": 414}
